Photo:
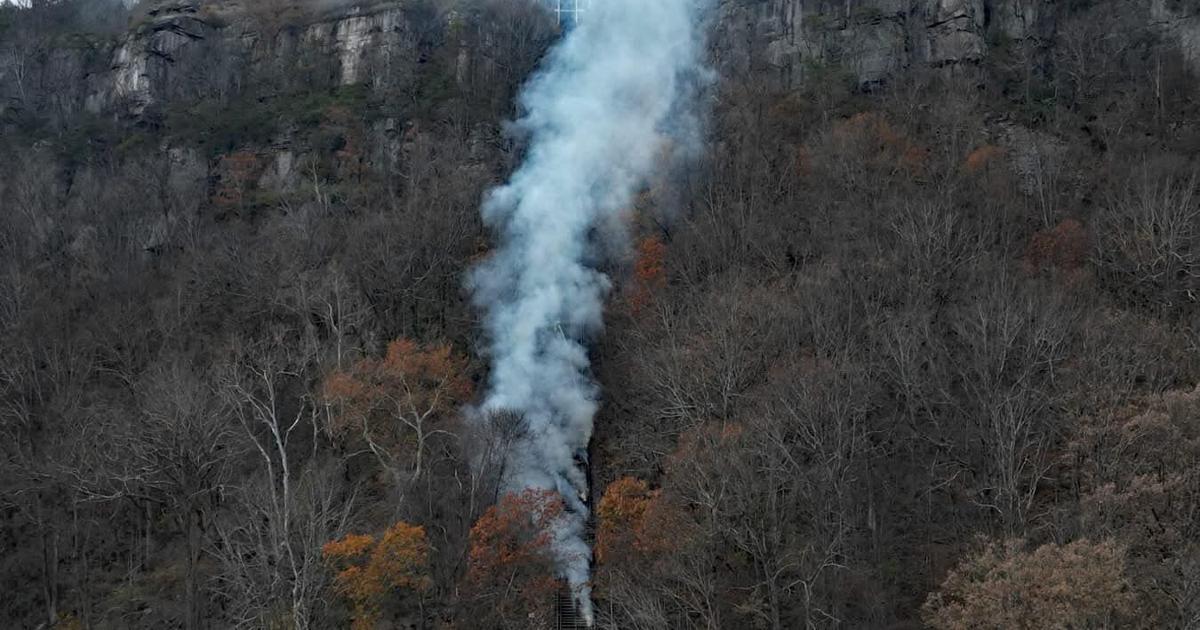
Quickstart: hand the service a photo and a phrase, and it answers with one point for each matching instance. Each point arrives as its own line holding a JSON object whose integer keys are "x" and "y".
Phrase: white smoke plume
{"x": 616, "y": 90}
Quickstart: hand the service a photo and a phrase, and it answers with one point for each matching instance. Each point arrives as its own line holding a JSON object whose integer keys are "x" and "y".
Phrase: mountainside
{"x": 910, "y": 337}
{"x": 192, "y": 57}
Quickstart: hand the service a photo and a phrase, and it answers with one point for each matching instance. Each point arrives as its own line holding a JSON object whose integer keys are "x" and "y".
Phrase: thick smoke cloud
{"x": 610, "y": 97}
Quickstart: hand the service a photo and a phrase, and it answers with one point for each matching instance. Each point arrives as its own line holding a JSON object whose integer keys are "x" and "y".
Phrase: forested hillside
{"x": 913, "y": 342}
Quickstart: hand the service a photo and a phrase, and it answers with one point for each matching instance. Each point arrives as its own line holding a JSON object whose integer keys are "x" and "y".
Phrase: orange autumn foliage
{"x": 1065, "y": 247}
{"x": 352, "y": 546}
{"x": 649, "y": 273}
{"x": 881, "y": 142}
{"x": 513, "y": 533}
{"x": 393, "y": 402}
{"x": 370, "y": 569}
{"x": 510, "y": 561}
{"x": 650, "y": 267}
{"x": 981, "y": 158}
{"x": 620, "y": 513}
{"x": 871, "y": 124}
{"x": 432, "y": 376}
{"x": 634, "y": 518}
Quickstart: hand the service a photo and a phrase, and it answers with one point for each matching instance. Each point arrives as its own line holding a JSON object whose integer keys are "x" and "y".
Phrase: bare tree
{"x": 175, "y": 454}
{"x": 270, "y": 544}
{"x": 15, "y": 65}
{"x": 270, "y": 553}
{"x": 1010, "y": 346}
{"x": 1148, "y": 243}
{"x": 41, "y": 395}
{"x": 256, "y": 385}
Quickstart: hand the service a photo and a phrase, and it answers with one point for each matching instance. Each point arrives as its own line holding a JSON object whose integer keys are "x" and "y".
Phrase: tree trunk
{"x": 191, "y": 583}
{"x": 49, "y": 565}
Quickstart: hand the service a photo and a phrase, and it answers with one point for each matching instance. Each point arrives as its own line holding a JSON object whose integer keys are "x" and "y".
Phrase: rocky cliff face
{"x": 182, "y": 48}
{"x": 872, "y": 39}
{"x": 187, "y": 51}
{"x": 184, "y": 52}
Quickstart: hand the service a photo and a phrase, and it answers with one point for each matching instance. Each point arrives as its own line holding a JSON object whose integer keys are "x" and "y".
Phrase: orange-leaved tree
{"x": 649, "y": 273}
{"x": 396, "y": 403}
{"x": 982, "y": 158}
{"x": 633, "y": 518}
{"x": 620, "y": 514}
{"x": 1066, "y": 247}
{"x": 511, "y": 570}
{"x": 372, "y": 571}
{"x": 874, "y": 139}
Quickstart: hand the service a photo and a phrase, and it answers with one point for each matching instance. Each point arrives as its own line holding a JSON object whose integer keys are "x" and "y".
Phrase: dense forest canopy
{"x": 913, "y": 339}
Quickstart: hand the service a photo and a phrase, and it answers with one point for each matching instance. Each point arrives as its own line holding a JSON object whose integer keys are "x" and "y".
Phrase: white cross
{"x": 573, "y": 8}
